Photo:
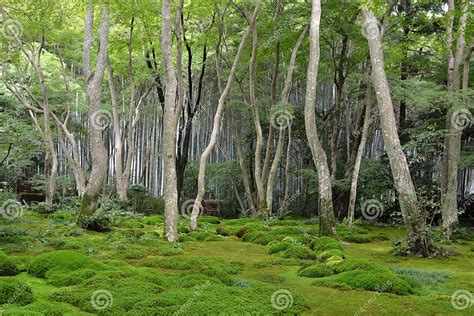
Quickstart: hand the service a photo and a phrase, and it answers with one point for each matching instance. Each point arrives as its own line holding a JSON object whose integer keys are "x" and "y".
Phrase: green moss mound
{"x": 315, "y": 271}
{"x": 326, "y": 254}
{"x": 212, "y": 267}
{"x": 257, "y": 237}
{"x": 362, "y": 264}
{"x": 368, "y": 280}
{"x": 61, "y": 279}
{"x": 326, "y": 243}
{"x": 296, "y": 251}
{"x": 60, "y": 261}
{"x": 278, "y": 246}
{"x": 153, "y": 220}
{"x": 8, "y": 266}
{"x": 202, "y": 296}
{"x": 15, "y": 292}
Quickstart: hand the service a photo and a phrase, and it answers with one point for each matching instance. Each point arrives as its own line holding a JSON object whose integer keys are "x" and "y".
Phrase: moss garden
{"x": 243, "y": 266}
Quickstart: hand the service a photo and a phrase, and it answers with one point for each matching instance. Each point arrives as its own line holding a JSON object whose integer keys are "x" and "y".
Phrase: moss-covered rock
{"x": 315, "y": 271}
{"x": 15, "y": 292}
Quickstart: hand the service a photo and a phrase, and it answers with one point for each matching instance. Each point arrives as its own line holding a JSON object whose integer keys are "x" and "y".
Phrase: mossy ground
{"x": 230, "y": 267}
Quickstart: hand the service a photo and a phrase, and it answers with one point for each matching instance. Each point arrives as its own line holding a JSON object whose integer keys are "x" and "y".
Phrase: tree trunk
{"x": 98, "y": 175}
{"x": 287, "y": 120}
{"x": 216, "y": 123}
{"x": 360, "y": 153}
{"x": 259, "y": 181}
{"x": 418, "y": 236}
{"x": 326, "y": 216}
{"x": 169, "y": 130}
{"x": 243, "y": 168}
{"x": 450, "y": 161}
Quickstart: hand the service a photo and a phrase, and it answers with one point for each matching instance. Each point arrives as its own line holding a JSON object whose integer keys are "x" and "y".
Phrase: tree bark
{"x": 44, "y": 105}
{"x": 418, "y": 236}
{"x": 360, "y": 153}
{"x": 450, "y": 160}
{"x": 217, "y": 121}
{"x": 281, "y": 137}
{"x": 326, "y": 216}
{"x": 98, "y": 175}
{"x": 169, "y": 130}
{"x": 258, "y": 172}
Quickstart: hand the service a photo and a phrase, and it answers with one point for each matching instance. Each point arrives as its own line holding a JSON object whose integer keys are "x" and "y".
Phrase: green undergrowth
{"x": 49, "y": 266}
{"x": 125, "y": 289}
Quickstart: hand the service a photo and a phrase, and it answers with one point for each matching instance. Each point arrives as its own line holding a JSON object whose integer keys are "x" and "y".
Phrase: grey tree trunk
{"x": 419, "y": 240}
{"x": 169, "y": 130}
{"x": 258, "y": 172}
{"x": 286, "y": 121}
{"x": 98, "y": 175}
{"x": 217, "y": 122}
{"x": 44, "y": 105}
{"x": 360, "y": 153}
{"x": 450, "y": 161}
{"x": 327, "y": 221}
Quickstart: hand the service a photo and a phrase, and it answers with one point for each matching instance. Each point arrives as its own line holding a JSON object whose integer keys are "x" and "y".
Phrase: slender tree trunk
{"x": 243, "y": 168}
{"x": 169, "y": 130}
{"x": 286, "y": 116}
{"x": 98, "y": 175}
{"x": 44, "y": 104}
{"x": 449, "y": 172}
{"x": 216, "y": 123}
{"x": 326, "y": 215}
{"x": 418, "y": 236}
{"x": 286, "y": 197}
{"x": 262, "y": 203}
{"x": 273, "y": 96}
{"x": 360, "y": 153}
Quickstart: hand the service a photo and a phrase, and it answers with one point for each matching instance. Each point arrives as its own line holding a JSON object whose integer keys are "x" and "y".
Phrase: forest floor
{"x": 229, "y": 267}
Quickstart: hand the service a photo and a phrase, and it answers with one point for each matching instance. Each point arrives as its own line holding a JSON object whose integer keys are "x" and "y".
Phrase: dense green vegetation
{"x": 51, "y": 266}
{"x": 236, "y": 157}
